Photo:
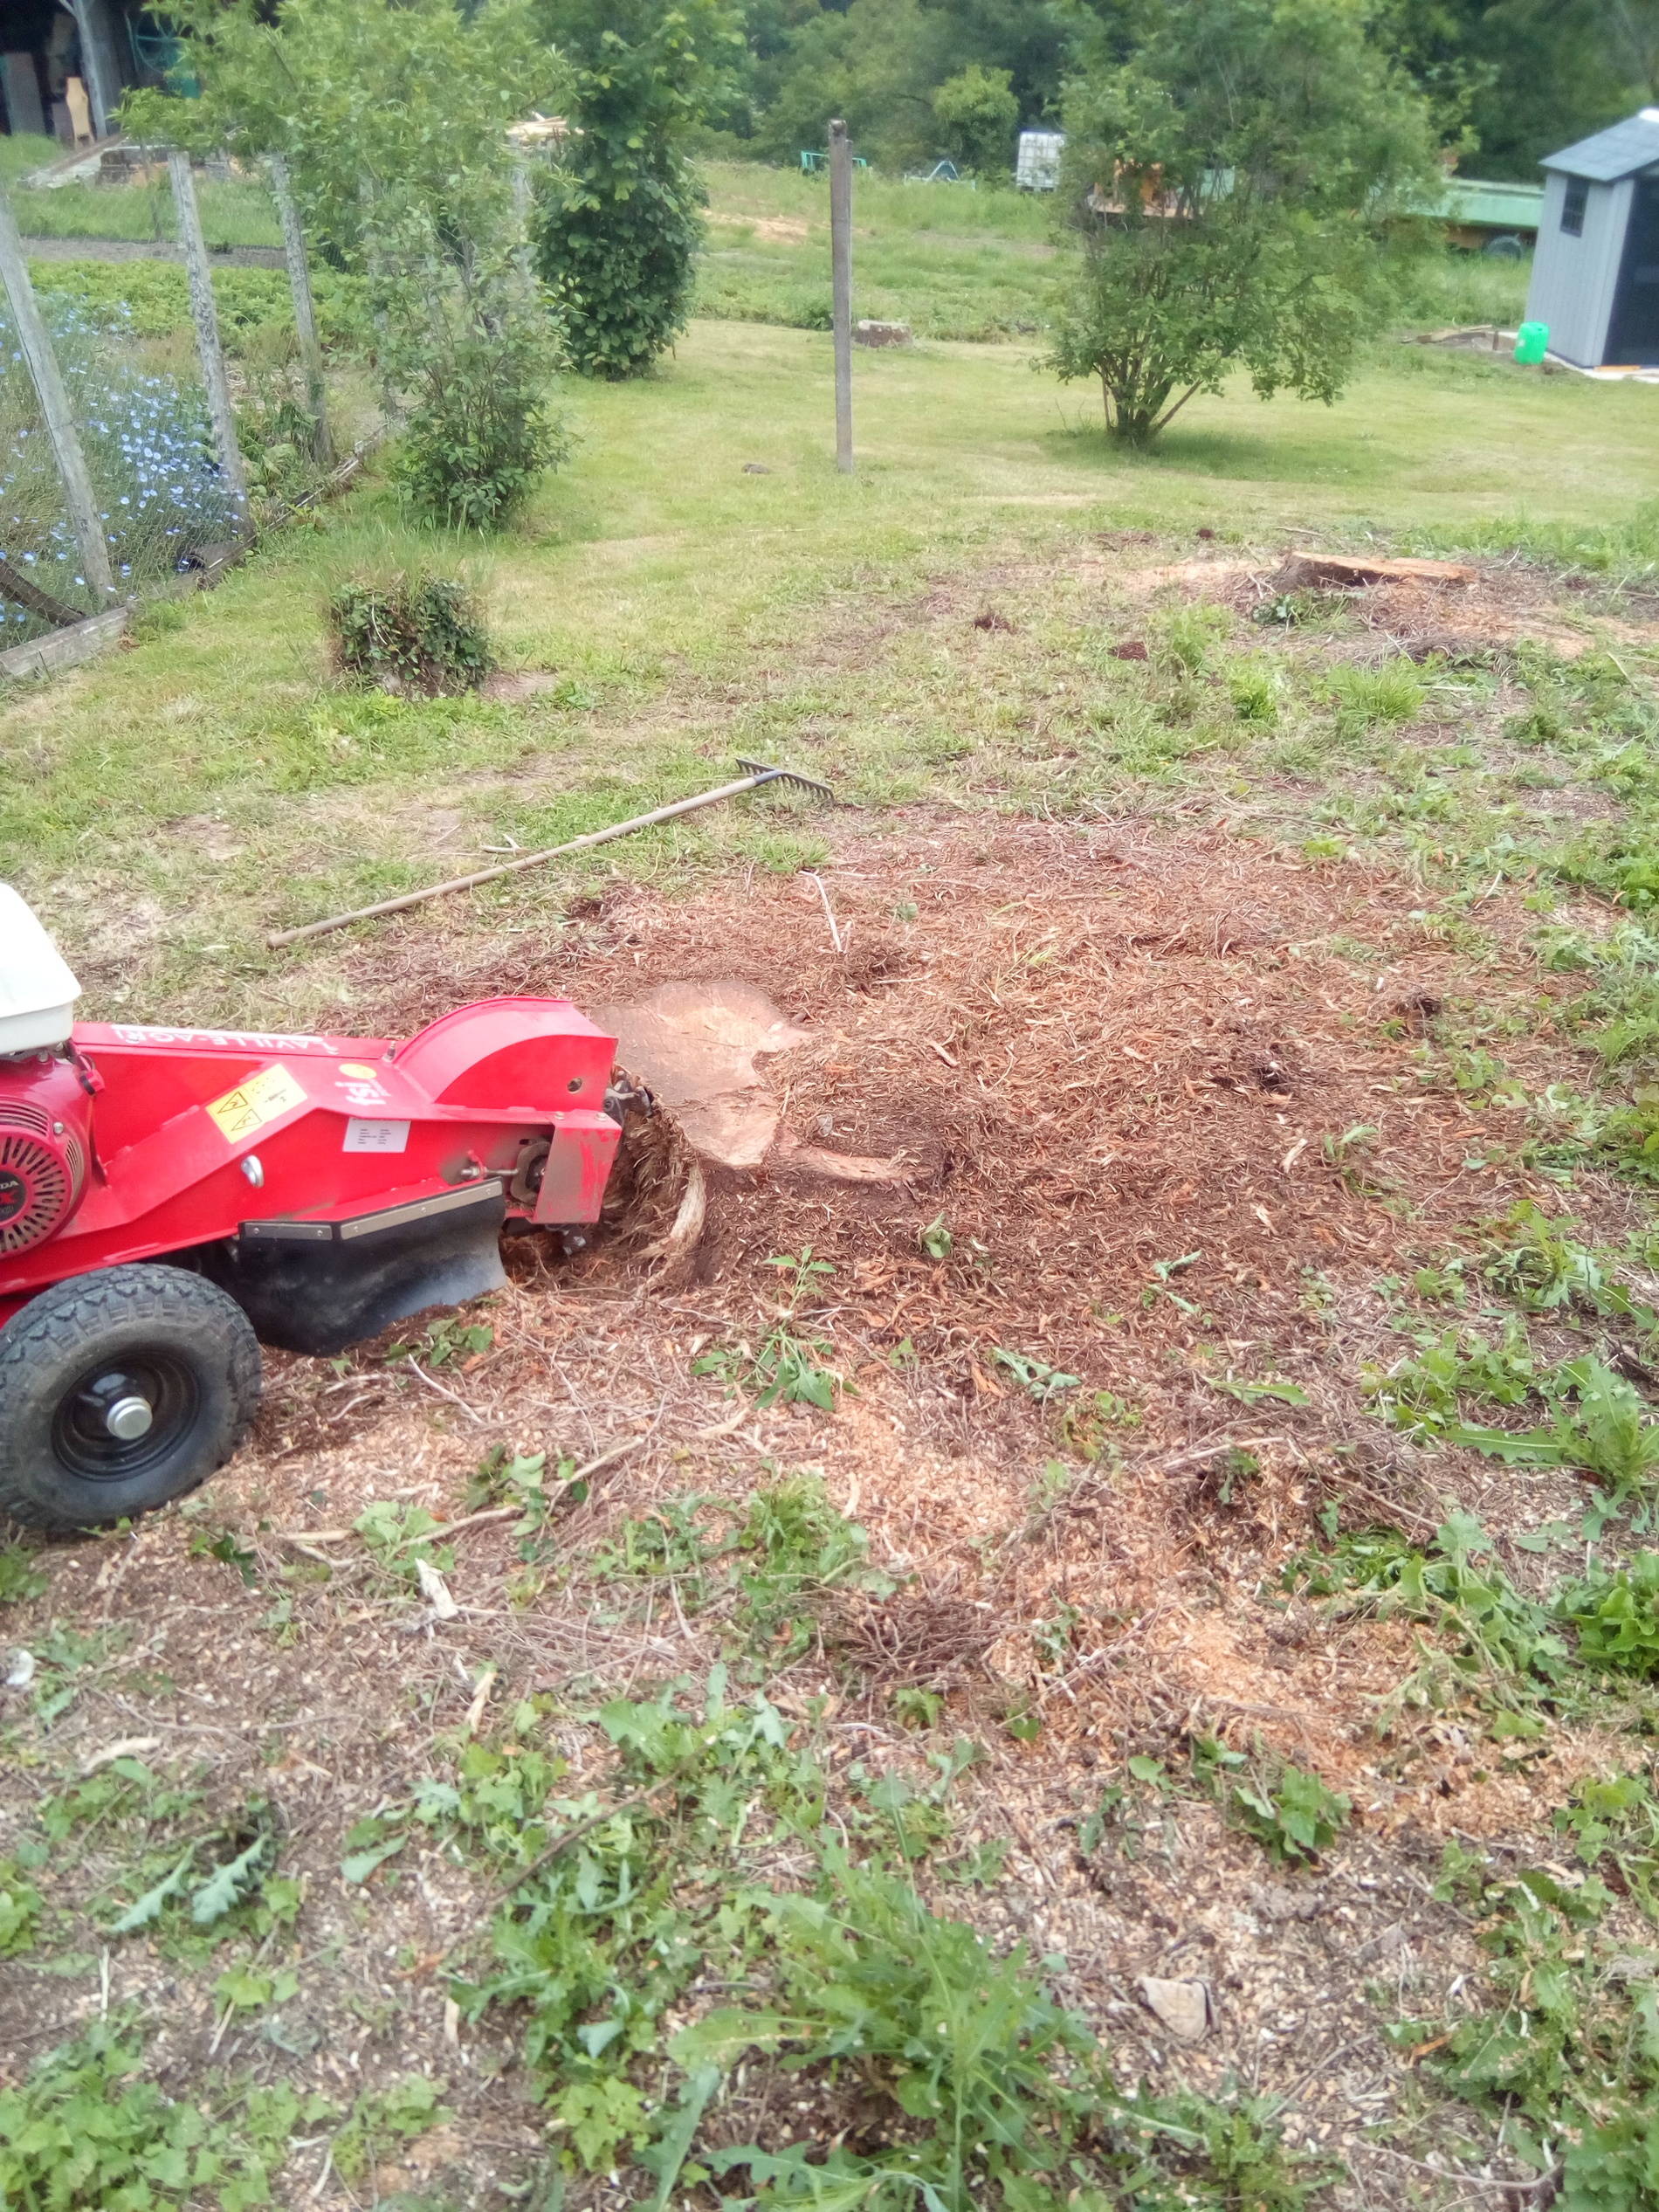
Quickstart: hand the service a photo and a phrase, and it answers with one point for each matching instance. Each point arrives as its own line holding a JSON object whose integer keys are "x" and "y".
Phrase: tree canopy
{"x": 1227, "y": 185}
{"x": 1508, "y": 81}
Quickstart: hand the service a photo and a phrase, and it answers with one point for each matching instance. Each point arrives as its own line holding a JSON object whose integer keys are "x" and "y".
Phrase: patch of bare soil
{"x": 1166, "y": 1136}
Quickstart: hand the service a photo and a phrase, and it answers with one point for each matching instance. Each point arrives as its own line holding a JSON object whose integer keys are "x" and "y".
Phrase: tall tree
{"x": 1514, "y": 79}
{"x": 975, "y": 113}
{"x": 1223, "y": 190}
{"x": 879, "y": 63}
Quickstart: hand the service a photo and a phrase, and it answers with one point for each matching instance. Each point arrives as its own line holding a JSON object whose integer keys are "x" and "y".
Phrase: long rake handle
{"x": 524, "y": 860}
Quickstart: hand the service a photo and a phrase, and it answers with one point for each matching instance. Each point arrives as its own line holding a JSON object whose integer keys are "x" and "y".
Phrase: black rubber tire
{"x": 182, "y": 1336}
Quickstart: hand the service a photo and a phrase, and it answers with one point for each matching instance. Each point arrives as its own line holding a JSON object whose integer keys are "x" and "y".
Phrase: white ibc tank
{"x": 38, "y": 992}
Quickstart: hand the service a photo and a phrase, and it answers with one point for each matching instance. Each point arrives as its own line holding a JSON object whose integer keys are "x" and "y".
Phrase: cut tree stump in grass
{"x": 1348, "y": 572}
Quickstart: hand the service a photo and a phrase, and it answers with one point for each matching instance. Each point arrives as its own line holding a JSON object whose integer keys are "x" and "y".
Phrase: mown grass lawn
{"x": 170, "y": 804}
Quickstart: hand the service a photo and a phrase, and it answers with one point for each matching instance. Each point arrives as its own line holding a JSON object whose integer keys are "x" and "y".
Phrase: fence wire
{"x": 138, "y": 401}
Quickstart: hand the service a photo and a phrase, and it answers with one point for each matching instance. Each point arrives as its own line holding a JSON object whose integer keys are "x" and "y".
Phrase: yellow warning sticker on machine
{"x": 263, "y": 1098}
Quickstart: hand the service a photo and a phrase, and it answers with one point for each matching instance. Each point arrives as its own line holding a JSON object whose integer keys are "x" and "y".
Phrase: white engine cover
{"x": 38, "y": 992}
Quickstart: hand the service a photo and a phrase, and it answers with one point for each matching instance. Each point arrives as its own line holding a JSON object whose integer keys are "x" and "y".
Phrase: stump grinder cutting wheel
{"x": 169, "y": 1197}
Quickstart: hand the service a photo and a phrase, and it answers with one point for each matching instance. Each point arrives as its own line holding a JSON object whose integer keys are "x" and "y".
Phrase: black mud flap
{"x": 319, "y": 1286}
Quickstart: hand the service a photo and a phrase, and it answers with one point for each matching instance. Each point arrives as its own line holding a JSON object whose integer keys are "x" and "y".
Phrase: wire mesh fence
{"x": 160, "y": 491}
{"x": 119, "y": 433}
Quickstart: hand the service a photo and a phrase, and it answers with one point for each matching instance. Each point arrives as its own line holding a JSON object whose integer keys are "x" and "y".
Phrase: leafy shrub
{"x": 415, "y": 632}
{"x": 617, "y": 255}
{"x": 480, "y": 430}
{"x": 1617, "y": 1616}
{"x": 619, "y": 218}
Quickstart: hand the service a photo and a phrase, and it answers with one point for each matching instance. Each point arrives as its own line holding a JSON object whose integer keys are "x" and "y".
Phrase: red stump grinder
{"x": 169, "y": 1197}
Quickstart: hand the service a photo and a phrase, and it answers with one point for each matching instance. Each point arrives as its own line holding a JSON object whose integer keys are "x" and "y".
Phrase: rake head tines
{"x": 771, "y": 775}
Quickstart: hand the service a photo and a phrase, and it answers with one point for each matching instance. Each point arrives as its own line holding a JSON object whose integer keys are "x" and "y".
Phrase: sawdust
{"x": 1120, "y": 1064}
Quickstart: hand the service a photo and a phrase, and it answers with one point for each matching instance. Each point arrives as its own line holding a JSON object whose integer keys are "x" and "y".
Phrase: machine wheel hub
{"x": 113, "y": 1423}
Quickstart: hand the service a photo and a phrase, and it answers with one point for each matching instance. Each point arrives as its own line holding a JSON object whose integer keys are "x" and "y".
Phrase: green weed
{"x": 1569, "y": 2051}
{"x": 790, "y": 1365}
{"x": 619, "y": 1903}
{"x": 1534, "y": 1261}
{"x": 21, "y": 1905}
{"x": 1036, "y": 1377}
{"x": 1614, "y": 1821}
{"x": 1254, "y": 687}
{"x": 398, "y": 1536}
{"x": 1365, "y": 697}
{"x": 452, "y": 1342}
{"x": 1290, "y": 1813}
{"x": 382, "y": 2121}
{"x": 1606, "y": 1433}
{"x": 1501, "y": 1649}
{"x": 1421, "y": 1395}
{"x": 1616, "y": 1616}
{"x": 85, "y": 2132}
{"x": 21, "y": 1576}
{"x": 936, "y": 1239}
{"x": 505, "y": 1478}
{"x": 1086, "y": 1424}
{"x": 792, "y": 1545}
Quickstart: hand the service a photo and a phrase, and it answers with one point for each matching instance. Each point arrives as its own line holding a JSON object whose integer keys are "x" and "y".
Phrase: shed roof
{"x": 1617, "y": 152}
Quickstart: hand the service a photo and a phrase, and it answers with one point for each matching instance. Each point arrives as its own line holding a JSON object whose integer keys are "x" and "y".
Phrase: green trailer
{"x": 1501, "y": 219}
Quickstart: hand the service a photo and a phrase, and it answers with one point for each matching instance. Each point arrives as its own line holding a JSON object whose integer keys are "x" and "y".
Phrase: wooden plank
{"x": 205, "y": 316}
{"x": 64, "y": 648}
{"x": 305, "y": 312}
{"x": 841, "y": 279}
{"x": 84, "y": 517}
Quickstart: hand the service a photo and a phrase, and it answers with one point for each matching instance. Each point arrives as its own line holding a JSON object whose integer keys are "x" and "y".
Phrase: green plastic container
{"x": 1531, "y": 344}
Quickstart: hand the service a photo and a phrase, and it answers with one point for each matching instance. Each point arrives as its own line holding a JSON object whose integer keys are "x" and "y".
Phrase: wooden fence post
{"x": 206, "y": 316}
{"x": 84, "y": 517}
{"x": 305, "y": 312}
{"x": 841, "y": 275}
{"x": 524, "y": 214}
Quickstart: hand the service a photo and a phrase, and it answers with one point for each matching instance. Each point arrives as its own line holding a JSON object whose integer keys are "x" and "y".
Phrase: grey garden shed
{"x": 1595, "y": 274}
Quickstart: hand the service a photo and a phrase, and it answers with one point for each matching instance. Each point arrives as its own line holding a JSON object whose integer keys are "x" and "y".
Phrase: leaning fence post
{"x": 206, "y": 316}
{"x": 84, "y": 517}
{"x": 523, "y": 215}
{"x": 305, "y": 313}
